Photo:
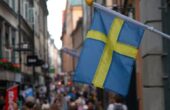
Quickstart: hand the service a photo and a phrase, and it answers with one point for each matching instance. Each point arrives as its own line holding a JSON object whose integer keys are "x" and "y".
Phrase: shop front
{"x": 8, "y": 79}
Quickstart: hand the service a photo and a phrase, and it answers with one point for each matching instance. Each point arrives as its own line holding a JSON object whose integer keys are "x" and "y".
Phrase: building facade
{"x": 155, "y": 56}
{"x": 77, "y": 39}
{"x": 73, "y": 13}
{"x": 23, "y": 32}
{"x": 53, "y": 57}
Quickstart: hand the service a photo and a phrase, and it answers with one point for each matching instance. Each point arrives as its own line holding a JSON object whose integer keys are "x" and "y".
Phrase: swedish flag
{"x": 109, "y": 53}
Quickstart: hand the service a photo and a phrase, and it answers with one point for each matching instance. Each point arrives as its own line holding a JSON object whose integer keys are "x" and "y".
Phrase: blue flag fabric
{"x": 109, "y": 53}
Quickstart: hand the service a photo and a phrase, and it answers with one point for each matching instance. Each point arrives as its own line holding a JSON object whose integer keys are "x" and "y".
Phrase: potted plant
{"x": 5, "y": 64}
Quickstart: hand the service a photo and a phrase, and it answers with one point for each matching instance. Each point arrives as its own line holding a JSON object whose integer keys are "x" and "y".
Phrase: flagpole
{"x": 150, "y": 28}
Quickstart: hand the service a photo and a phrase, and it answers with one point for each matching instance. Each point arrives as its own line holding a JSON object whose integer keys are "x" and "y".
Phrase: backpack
{"x": 118, "y": 107}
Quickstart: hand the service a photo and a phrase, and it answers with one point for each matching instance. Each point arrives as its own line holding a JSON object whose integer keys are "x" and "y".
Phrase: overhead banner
{"x": 11, "y": 97}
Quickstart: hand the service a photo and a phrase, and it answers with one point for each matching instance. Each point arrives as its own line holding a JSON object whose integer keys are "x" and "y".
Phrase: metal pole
{"x": 33, "y": 45}
{"x": 19, "y": 34}
{"x": 19, "y": 41}
{"x": 150, "y": 28}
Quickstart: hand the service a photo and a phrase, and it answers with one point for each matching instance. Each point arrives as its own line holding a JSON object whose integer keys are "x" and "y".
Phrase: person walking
{"x": 29, "y": 103}
{"x": 2, "y": 102}
{"x": 117, "y": 103}
{"x": 58, "y": 103}
{"x": 45, "y": 105}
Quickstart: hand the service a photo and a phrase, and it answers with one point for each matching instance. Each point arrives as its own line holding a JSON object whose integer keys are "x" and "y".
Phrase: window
{"x": 26, "y": 5}
{"x": 13, "y": 5}
{"x": 31, "y": 16}
{"x": 13, "y": 39}
{"x": 7, "y": 1}
{"x": 22, "y": 8}
{"x": 7, "y": 43}
{"x": 7, "y": 37}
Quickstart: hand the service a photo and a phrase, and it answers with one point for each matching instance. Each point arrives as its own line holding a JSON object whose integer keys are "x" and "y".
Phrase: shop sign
{"x": 32, "y": 60}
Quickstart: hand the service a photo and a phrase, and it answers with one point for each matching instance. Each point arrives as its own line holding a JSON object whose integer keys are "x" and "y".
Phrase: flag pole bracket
{"x": 89, "y": 2}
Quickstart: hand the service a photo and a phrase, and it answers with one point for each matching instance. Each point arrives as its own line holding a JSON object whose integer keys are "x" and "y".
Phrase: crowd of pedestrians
{"x": 74, "y": 99}
{"x": 71, "y": 101}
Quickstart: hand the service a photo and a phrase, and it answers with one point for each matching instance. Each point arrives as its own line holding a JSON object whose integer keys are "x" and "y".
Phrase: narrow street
{"x": 84, "y": 54}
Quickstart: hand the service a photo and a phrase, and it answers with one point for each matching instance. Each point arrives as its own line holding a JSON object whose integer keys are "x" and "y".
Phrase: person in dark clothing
{"x": 2, "y": 102}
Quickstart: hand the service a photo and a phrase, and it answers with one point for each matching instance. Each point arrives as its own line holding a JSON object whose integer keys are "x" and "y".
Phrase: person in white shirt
{"x": 45, "y": 105}
{"x": 116, "y": 103}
